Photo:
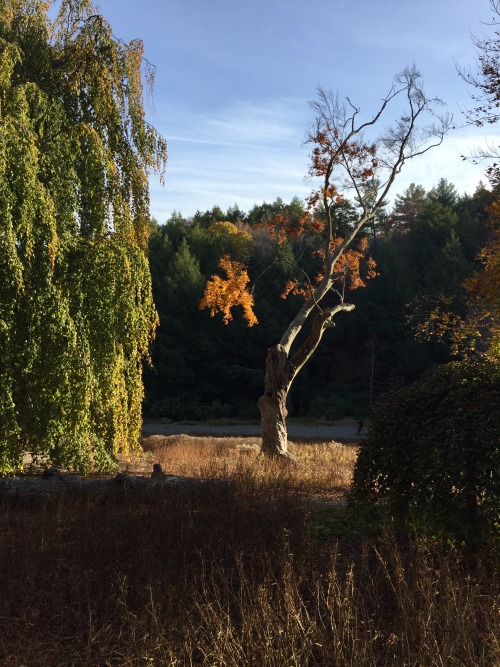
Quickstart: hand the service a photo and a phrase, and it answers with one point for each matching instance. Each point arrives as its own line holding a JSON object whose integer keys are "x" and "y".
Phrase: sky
{"x": 234, "y": 80}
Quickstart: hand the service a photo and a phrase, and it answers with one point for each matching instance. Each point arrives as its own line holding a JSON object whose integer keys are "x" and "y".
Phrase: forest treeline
{"x": 425, "y": 246}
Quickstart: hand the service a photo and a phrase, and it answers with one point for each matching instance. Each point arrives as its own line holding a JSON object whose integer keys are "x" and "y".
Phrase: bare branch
{"x": 346, "y": 161}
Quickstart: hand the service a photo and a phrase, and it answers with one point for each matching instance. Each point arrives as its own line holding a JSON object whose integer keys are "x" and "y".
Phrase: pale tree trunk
{"x": 272, "y": 404}
{"x": 281, "y": 370}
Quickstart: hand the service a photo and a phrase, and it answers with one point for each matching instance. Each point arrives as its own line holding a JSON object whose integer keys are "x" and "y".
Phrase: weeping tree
{"x": 76, "y": 311}
{"x": 349, "y": 162}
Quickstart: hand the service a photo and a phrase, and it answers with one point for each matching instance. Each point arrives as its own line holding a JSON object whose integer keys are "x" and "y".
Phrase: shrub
{"x": 433, "y": 451}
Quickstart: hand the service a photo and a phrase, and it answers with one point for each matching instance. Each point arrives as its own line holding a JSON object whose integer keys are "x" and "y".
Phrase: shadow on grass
{"x": 251, "y": 574}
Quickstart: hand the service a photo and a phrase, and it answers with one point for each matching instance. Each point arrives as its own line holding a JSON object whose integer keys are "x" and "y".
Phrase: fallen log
{"x": 54, "y": 483}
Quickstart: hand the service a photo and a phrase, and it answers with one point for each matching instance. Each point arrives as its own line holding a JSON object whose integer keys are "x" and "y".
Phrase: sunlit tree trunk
{"x": 272, "y": 404}
{"x": 281, "y": 370}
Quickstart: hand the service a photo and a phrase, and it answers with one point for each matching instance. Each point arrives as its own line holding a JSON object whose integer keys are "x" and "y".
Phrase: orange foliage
{"x": 348, "y": 265}
{"x": 485, "y": 284}
{"x": 329, "y": 151}
{"x": 479, "y": 330}
{"x": 432, "y": 318}
{"x": 347, "y": 270}
{"x": 222, "y": 295}
{"x": 296, "y": 288}
{"x": 283, "y": 226}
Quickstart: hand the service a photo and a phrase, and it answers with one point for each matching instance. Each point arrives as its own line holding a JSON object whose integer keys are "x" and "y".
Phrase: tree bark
{"x": 280, "y": 373}
{"x": 272, "y": 404}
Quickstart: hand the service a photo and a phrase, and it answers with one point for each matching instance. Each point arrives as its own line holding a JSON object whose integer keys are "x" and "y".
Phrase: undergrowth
{"x": 270, "y": 570}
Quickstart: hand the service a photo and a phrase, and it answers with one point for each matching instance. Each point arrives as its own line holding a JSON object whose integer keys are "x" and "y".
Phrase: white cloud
{"x": 262, "y": 122}
{"x": 446, "y": 161}
{"x": 245, "y": 154}
{"x": 254, "y": 152}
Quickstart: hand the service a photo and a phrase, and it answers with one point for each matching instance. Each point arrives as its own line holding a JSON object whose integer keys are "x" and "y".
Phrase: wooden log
{"x": 54, "y": 483}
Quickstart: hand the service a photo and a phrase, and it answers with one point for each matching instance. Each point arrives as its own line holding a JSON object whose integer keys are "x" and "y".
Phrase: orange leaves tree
{"x": 484, "y": 286}
{"x": 349, "y": 161}
{"x": 223, "y": 294}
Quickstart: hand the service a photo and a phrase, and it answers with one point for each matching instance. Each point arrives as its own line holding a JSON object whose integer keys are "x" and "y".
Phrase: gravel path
{"x": 339, "y": 432}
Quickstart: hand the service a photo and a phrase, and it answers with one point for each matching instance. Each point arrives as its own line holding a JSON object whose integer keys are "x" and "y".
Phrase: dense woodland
{"x": 425, "y": 247}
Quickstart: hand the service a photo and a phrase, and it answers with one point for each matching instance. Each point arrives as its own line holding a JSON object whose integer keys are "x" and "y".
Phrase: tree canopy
{"x": 203, "y": 369}
{"x": 76, "y": 309}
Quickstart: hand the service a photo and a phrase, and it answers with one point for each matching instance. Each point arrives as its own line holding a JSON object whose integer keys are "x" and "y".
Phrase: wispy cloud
{"x": 245, "y": 154}
{"x": 249, "y": 153}
{"x": 447, "y": 161}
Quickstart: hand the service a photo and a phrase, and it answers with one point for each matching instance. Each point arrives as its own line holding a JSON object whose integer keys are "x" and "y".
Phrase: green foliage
{"x": 212, "y": 367}
{"x": 185, "y": 407}
{"x": 433, "y": 451}
{"x": 76, "y": 310}
{"x": 437, "y": 259}
{"x": 341, "y": 522}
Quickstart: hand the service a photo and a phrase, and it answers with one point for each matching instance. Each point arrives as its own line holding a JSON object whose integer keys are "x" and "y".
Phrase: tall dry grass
{"x": 319, "y": 467}
{"x": 233, "y": 576}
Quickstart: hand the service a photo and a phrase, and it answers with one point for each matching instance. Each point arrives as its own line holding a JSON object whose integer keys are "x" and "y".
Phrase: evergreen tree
{"x": 406, "y": 208}
{"x": 444, "y": 193}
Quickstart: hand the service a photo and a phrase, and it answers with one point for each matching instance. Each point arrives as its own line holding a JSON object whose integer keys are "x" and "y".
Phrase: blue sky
{"x": 234, "y": 78}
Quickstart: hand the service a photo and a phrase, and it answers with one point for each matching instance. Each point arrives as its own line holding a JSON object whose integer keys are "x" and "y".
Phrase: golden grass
{"x": 319, "y": 467}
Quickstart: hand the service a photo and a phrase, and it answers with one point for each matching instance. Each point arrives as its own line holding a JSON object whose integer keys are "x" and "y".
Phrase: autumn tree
{"x": 76, "y": 310}
{"x": 484, "y": 287}
{"x": 349, "y": 162}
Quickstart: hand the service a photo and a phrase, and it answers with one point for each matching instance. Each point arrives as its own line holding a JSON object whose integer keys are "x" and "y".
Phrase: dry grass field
{"x": 321, "y": 468}
{"x": 269, "y": 570}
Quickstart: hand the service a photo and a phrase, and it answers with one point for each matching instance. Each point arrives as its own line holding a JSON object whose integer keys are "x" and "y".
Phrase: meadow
{"x": 271, "y": 569}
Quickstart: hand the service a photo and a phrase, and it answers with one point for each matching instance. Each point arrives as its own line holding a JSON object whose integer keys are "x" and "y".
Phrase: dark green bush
{"x": 433, "y": 451}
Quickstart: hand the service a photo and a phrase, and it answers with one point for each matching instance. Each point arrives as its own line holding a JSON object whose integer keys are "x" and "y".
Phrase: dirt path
{"x": 337, "y": 432}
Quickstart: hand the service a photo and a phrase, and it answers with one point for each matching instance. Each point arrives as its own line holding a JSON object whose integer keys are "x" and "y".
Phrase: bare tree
{"x": 485, "y": 80}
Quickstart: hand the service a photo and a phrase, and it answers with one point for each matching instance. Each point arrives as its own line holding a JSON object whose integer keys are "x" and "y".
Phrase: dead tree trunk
{"x": 281, "y": 370}
{"x": 341, "y": 157}
{"x": 272, "y": 404}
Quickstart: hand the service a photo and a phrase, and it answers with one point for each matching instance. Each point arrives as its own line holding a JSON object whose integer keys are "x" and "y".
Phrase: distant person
{"x": 361, "y": 427}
